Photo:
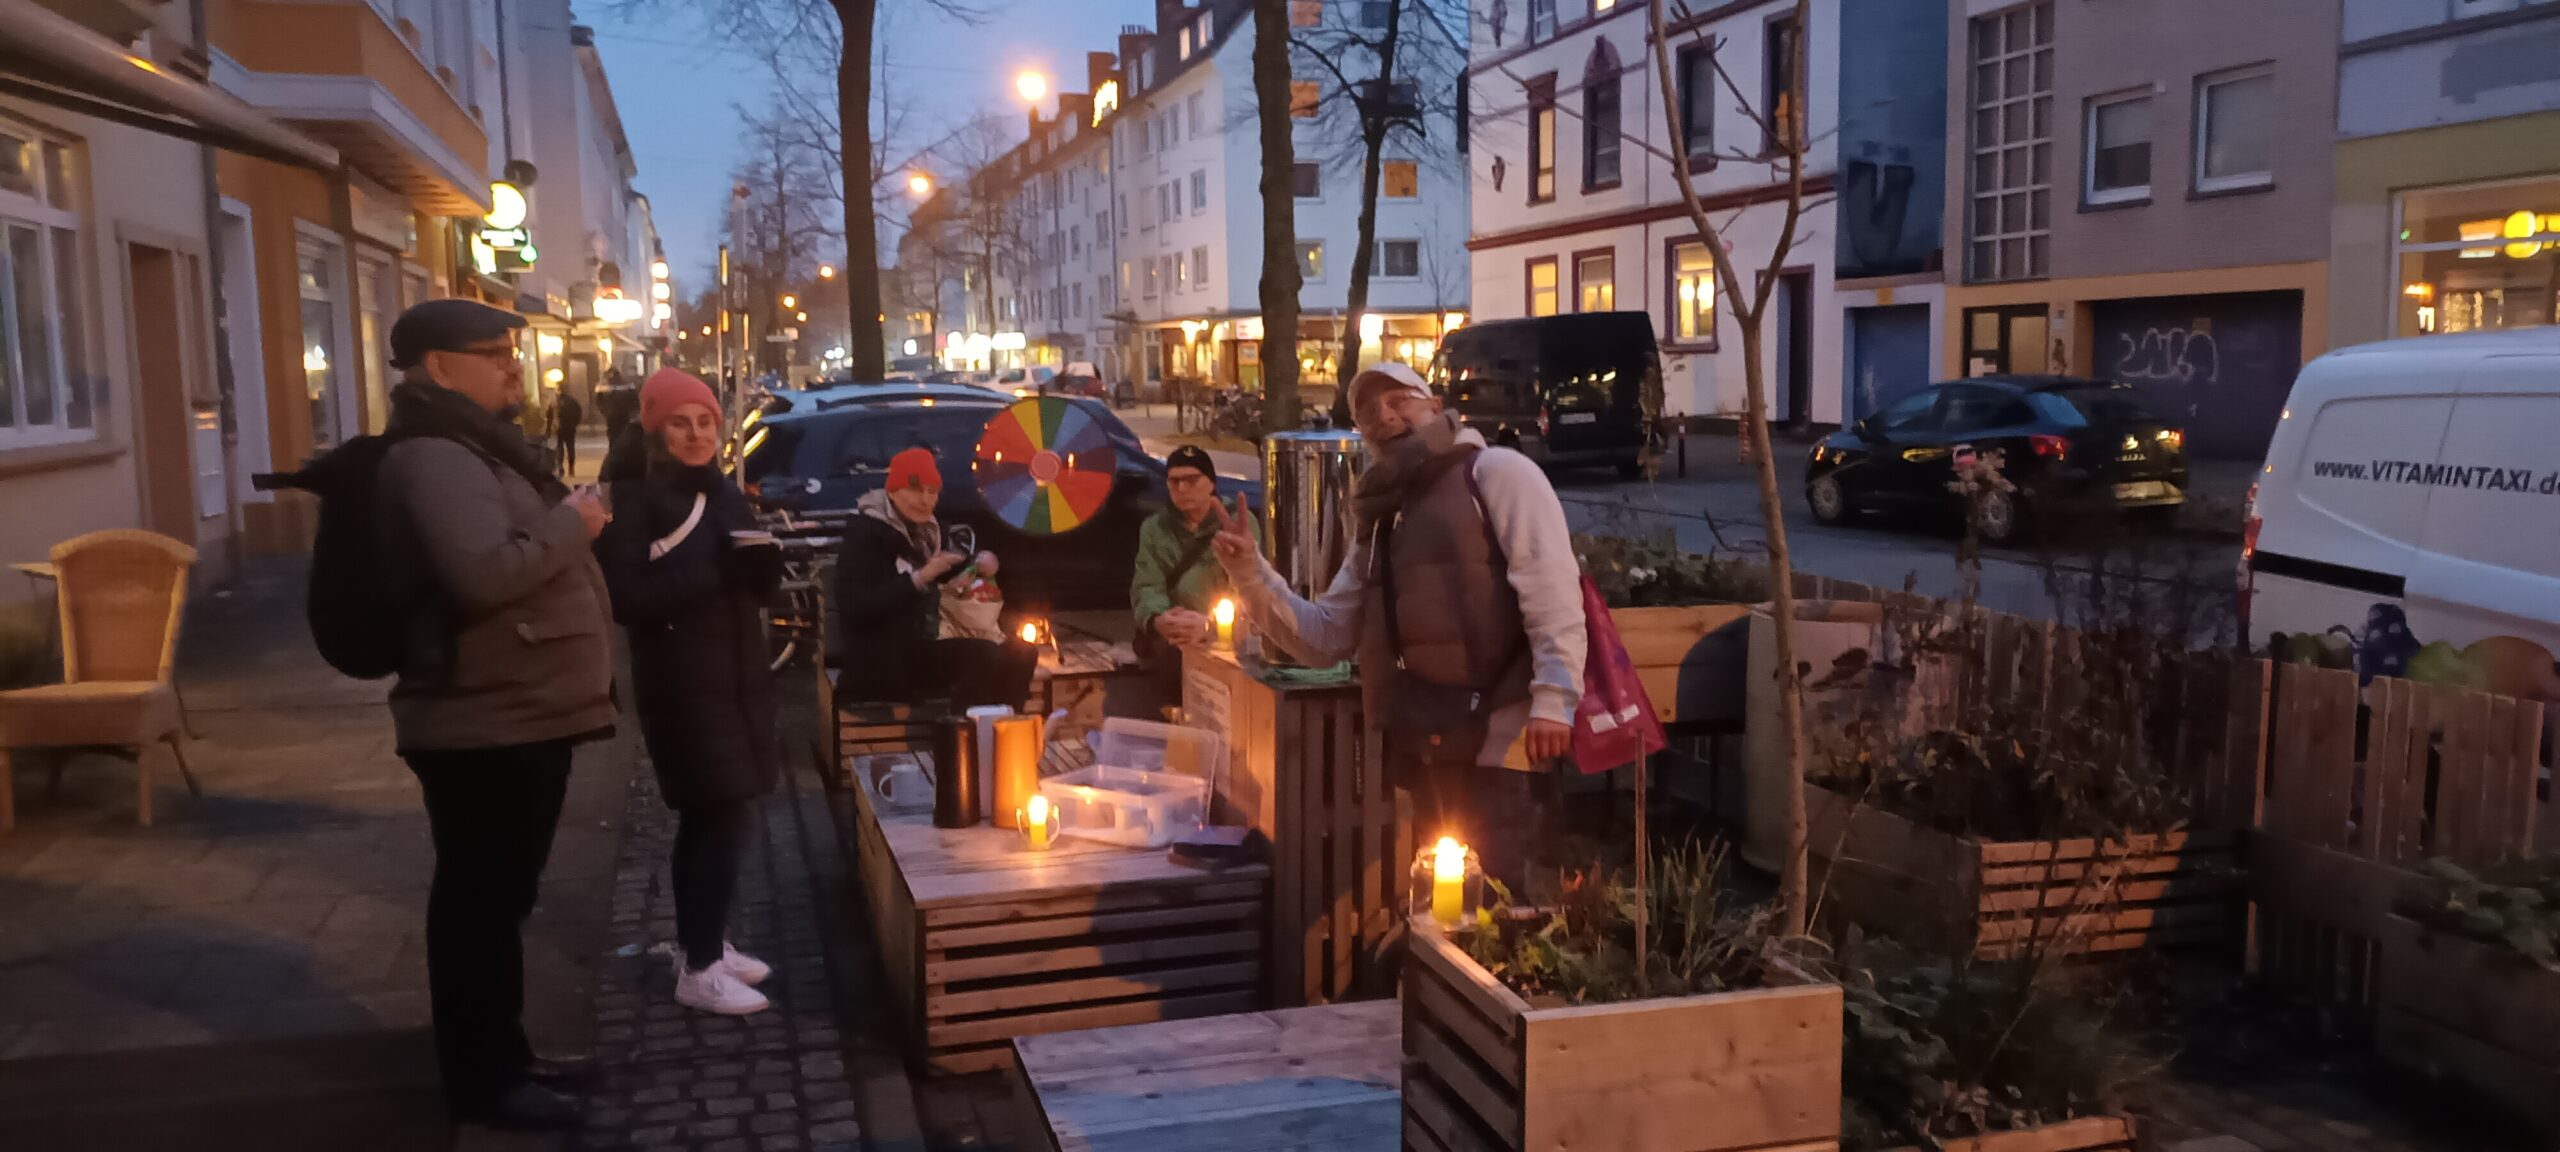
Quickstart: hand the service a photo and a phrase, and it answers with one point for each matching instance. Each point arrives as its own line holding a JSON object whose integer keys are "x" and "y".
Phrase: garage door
{"x": 2222, "y": 364}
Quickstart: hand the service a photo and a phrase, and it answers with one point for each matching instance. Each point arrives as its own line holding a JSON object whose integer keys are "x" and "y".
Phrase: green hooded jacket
{"x": 1153, "y": 589}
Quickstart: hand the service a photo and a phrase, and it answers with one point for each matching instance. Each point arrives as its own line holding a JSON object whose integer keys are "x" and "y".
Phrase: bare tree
{"x": 780, "y": 224}
{"x": 1783, "y": 130}
{"x": 1280, "y": 278}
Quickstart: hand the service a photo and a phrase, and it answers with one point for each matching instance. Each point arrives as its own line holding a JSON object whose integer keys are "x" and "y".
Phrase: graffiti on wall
{"x": 2170, "y": 355}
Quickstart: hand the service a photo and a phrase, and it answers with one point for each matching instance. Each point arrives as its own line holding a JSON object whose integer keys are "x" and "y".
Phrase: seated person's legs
{"x": 971, "y": 673}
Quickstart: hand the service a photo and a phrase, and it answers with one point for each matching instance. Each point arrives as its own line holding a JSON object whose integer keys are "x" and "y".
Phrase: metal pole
{"x": 225, "y": 386}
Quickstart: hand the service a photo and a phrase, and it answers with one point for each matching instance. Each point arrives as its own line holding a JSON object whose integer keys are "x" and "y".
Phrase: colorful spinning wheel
{"x": 1045, "y": 465}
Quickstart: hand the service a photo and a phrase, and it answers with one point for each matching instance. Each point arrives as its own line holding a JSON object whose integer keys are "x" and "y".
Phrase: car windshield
{"x": 2106, "y": 403}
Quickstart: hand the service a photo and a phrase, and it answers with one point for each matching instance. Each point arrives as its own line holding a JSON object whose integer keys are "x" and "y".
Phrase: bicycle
{"x": 796, "y": 620}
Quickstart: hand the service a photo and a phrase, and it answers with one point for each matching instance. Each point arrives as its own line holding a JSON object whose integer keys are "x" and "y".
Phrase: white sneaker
{"x": 747, "y": 969}
{"x": 718, "y": 989}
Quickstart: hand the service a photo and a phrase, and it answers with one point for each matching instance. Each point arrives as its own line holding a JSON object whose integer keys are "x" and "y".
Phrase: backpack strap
{"x": 660, "y": 547}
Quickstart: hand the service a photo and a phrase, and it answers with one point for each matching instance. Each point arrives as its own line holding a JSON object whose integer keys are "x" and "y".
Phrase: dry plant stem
{"x": 1748, "y": 312}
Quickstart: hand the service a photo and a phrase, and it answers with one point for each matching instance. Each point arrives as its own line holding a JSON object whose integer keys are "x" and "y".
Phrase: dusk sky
{"x": 679, "y": 89}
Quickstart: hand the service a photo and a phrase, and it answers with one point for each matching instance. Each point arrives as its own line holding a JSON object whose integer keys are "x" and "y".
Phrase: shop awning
{"x": 47, "y": 57}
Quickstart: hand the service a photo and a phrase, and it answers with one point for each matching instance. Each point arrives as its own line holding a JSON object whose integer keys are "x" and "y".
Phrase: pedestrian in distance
{"x": 618, "y": 404}
{"x": 690, "y": 573}
{"x": 566, "y": 413}
{"x": 1462, "y": 598}
{"x": 506, "y": 668}
{"x": 890, "y": 574}
{"x": 1176, "y": 582}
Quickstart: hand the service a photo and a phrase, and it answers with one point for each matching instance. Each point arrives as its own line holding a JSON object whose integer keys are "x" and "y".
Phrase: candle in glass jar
{"x": 1225, "y": 615}
{"x": 1018, "y": 747}
{"x": 1039, "y": 824}
{"x": 1448, "y": 882}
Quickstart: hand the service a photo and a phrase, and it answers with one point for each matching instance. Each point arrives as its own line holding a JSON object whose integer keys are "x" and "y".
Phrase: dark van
{"x": 1570, "y": 391}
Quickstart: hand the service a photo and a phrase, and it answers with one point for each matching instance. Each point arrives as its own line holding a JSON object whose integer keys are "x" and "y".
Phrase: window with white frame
{"x": 50, "y": 387}
{"x": 1311, "y": 261}
{"x": 317, "y": 264}
{"x": 2117, "y": 166}
{"x": 1542, "y": 19}
{"x": 1200, "y": 267}
{"x": 1199, "y": 190}
{"x": 1399, "y": 259}
{"x": 2235, "y": 114}
{"x": 1595, "y": 282}
{"x": 1693, "y": 294}
{"x": 2010, "y": 179}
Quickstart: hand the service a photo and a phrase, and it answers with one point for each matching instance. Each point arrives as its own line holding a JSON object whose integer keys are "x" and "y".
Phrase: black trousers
{"x": 568, "y": 451}
{"x": 711, "y": 842}
{"x": 971, "y": 673}
{"x": 492, "y": 812}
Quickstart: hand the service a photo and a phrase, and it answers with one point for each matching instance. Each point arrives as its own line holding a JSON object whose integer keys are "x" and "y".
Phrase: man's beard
{"x": 509, "y": 411}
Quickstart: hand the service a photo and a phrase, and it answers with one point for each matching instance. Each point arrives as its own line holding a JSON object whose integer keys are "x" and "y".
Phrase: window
{"x": 1400, "y": 180}
{"x": 48, "y": 392}
{"x": 2118, "y": 165}
{"x": 1542, "y": 19}
{"x": 1200, "y": 267}
{"x": 1698, "y": 106}
{"x": 1917, "y": 412}
{"x": 1306, "y": 13}
{"x": 1311, "y": 261}
{"x": 1153, "y": 271}
{"x": 1120, "y": 206}
{"x": 1373, "y": 13}
{"x": 1400, "y": 259}
{"x": 1595, "y": 282}
{"x": 2476, "y": 257}
{"x": 1304, "y": 96}
{"x": 1464, "y": 118}
{"x": 1173, "y": 125}
{"x": 1198, "y": 121}
{"x": 1199, "y": 190}
{"x": 316, "y": 271}
{"x": 1171, "y": 197}
{"x": 1179, "y": 278}
{"x": 1075, "y": 298}
{"x": 1541, "y": 281}
{"x": 1186, "y": 42}
{"x": 1693, "y": 294}
{"x": 1778, "y": 87}
{"x": 1600, "y": 6}
{"x": 1600, "y": 116}
{"x": 1542, "y": 140}
{"x": 1306, "y": 180}
{"x": 1075, "y": 239}
{"x": 2235, "y": 115}
{"x": 2009, "y": 181}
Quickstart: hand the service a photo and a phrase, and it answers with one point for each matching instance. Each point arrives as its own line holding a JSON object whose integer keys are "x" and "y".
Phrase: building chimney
{"x": 1099, "y": 68}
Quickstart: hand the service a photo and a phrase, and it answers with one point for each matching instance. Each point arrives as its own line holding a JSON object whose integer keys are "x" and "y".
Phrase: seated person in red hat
{"x": 888, "y": 594}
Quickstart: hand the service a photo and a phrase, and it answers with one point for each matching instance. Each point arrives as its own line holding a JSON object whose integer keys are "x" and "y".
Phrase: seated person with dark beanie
{"x": 889, "y": 578}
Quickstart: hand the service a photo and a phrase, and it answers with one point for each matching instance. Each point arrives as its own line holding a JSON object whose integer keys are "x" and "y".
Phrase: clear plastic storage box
{"x": 1149, "y": 784}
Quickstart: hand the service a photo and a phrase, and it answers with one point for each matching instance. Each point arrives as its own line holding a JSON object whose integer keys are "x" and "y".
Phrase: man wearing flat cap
{"x": 507, "y": 668}
{"x": 1176, "y": 580}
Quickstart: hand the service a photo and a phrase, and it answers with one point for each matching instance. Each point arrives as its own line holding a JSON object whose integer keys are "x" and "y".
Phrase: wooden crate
{"x": 983, "y": 940}
{"x": 1286, "y": 1081}
{"x": 2087, "y": 1134}
{"x": 1304, "y": 771}
{"x": 1484, "y": 1070}
{"x": 1664, "y": 643}
{"x": 1879, "y": 870}
{"x": 2475, "y": 1014}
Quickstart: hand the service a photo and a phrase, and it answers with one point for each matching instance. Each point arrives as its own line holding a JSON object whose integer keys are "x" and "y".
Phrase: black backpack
{"x": 360, "y": 626}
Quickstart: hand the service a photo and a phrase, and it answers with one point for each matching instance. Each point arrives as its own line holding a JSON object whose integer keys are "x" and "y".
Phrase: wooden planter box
{"x": 1993, "y": 898}
{"x": 2473, "y": 1013}
{"x": 1665, "y": 644}
{"x": 2087, "y": 1134}
{"x": 1738, "y": 1070}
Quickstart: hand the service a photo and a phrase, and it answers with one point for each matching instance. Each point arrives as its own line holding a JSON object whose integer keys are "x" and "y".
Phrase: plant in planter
{"x": 1648, "y": 571}
{"x": 2469, "y": 985}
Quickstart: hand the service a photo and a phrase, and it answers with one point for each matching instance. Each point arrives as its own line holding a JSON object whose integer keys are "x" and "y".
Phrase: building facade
{"x": 2131, "y": 194}
{"x": 2447, "y": 168}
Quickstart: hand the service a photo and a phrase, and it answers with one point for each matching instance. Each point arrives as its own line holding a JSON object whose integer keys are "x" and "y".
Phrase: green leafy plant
{"x": 2515, "y": 905}
{"x": 1582, "y": 950}
{"x": 1651, "y": 571}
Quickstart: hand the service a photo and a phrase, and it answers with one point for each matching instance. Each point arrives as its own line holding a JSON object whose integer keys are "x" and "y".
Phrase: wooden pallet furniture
{"x": 1298, "y": 1078}
{"x": 983, "y": 939}
{"x": 1995, "y": 898}
{"x": 1757, "y": 1070}
{"x": 2477, "y": 1014}
{"x": 1303, "y": 770}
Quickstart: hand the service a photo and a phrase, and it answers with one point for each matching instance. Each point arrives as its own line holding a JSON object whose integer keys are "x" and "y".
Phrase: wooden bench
{"x": 984, "y": 940}
{"x": 1299, "y": 1078}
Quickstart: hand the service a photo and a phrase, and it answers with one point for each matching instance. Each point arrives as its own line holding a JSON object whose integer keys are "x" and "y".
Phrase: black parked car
{"x": 2065, "y": 442}
{"x": 819, "y": 462}
{"x": 1574, "y": 390}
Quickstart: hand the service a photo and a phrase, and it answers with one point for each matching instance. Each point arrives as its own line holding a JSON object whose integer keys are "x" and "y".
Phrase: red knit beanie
{"x": 668, "y": 389}
{"x": 914, "y": 468}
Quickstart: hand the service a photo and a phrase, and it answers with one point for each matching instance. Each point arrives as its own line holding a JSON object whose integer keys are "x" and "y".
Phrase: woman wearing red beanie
{"x": 690, "y": 573}
{"x": 889, "y": 579}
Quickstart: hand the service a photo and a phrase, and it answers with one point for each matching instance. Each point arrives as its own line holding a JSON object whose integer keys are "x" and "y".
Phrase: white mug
{"x": 905, "y": 783}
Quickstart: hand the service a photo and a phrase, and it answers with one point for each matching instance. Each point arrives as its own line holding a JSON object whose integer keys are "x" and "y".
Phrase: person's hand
{"x": 1237, "y": 552}
{"x": 986, "y": 562}
{"x": 940, "y": 566}
{"x": 1546, "y": 740}
{"x": 1181, "y": 627}
{"x": 591, "y": 510}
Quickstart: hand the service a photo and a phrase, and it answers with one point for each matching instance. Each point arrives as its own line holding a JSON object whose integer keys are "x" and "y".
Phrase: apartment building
{"x": 2447, "y": 168}
{"x": 2142, "y": 192}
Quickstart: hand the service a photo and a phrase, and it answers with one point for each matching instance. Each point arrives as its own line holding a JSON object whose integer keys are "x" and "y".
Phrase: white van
{"x": 2411, "y": 502}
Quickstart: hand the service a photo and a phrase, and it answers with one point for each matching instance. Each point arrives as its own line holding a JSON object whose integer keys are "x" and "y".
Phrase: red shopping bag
{"x": 1614, "y": 725}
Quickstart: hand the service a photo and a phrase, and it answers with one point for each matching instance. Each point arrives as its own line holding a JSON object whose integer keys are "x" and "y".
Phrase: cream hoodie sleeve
{"x": 1529, "y": 521}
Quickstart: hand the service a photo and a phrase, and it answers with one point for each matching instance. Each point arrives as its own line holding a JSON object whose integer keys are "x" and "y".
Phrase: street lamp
{"x": 790, "y": 301}
{"x": 826, "y": 271}
{"x": 1031, "y": 86}
{"x": 919, "y": 185}
{"x": 803, "y": 317}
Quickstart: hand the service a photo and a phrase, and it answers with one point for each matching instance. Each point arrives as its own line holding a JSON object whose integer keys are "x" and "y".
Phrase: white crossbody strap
{"x": 662, "y": 546}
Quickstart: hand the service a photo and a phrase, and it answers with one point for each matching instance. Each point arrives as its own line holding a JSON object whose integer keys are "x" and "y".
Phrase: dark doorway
{"x": 2016, "y": 338}
{"x": 1795, "y": 348}
{"x": 162, "y": 410}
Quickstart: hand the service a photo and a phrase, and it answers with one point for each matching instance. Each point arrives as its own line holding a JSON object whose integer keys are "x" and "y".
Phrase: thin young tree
{"x": 1280, "y": 278}
{"x": 1783, "y": 128}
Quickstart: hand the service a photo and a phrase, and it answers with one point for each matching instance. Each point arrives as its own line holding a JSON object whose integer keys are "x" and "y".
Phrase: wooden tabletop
{"x": 948, "y": 867}
{"x": 1302, "y": 1078}
{"x": 37, "y": 569}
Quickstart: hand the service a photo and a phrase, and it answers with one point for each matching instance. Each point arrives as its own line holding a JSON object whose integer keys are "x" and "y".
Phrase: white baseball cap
{"x": 1389, "y": 377}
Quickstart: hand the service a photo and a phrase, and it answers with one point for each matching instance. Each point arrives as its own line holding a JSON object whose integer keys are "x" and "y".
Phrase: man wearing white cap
{"x": 1461, "y": 596}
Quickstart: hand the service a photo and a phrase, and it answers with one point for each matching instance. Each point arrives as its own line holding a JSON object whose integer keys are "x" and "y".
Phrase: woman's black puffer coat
{"x": 701, "y": 672}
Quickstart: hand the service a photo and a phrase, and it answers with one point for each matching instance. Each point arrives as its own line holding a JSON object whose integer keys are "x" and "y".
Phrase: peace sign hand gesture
{"x": 1237, "y": 552}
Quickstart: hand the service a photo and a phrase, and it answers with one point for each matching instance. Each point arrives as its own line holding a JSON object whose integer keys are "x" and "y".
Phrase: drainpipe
{"x": 225, "y": 386}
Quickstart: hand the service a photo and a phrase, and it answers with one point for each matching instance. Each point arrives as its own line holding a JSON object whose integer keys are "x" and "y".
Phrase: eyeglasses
{"x": 1194, "y": 480}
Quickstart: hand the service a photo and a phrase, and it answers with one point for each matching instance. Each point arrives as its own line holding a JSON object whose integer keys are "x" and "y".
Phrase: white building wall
{"x": 1642, "y": 217}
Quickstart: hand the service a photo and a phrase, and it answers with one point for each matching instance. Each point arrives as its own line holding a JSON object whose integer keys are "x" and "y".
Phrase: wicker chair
{"x": 121, "y": 594}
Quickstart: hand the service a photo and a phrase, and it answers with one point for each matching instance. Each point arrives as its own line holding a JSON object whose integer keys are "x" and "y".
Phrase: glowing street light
{"x": 658, "y": 270}
{"x": 826, "y": 271}
{"x": 919, "y": 185}
{"x": 790, "y": 301}
{"x": 1031, "y": 86}
{"x": 803, "y": 317}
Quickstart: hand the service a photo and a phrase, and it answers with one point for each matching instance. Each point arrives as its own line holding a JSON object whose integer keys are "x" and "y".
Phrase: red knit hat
{"x": 914, "y": 468}
{"x": 668, "y": 389}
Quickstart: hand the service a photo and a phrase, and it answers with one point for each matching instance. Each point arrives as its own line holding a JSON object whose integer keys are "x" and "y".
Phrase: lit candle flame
{"x": 1225, "y": 612}
{"x": 1448, "y": 860}
{"x": 1037, "y": 810}
{"x": 1030, "y": 632}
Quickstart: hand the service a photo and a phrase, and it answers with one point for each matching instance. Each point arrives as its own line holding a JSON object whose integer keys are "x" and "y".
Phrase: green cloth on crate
{"x": 1307, "y": 677}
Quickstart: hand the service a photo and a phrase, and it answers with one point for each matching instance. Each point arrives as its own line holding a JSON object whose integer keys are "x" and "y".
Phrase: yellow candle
{"x": 1448, "y": 881}
{"x": 1225, "y": 615}
{"x": 1018, "y": 746}
{"x": 1039, "y": 823}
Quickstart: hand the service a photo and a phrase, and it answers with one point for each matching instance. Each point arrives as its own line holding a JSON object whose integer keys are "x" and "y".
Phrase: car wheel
{"x": 1996, "y": 516}
{"x": 1830, "y": 502}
